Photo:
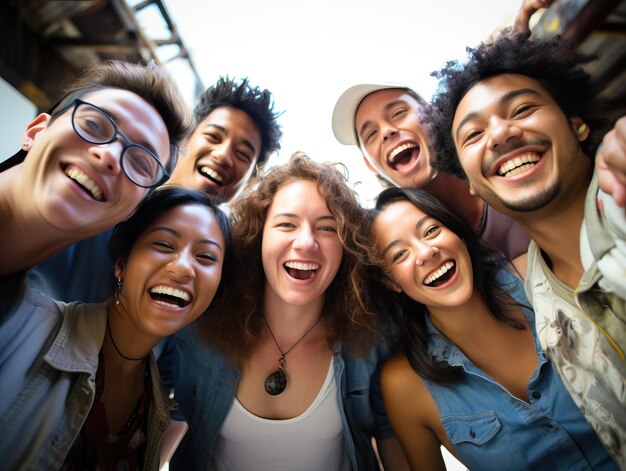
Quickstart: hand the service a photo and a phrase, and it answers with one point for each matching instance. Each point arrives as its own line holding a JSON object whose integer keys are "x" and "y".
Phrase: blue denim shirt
{"x": 206, "y": 387}
{"x": 491, "y": 429}
{"x": 70, "y": 275}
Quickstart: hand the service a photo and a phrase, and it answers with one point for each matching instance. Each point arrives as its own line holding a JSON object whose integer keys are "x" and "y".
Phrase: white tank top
{"x": 313, "y": 441}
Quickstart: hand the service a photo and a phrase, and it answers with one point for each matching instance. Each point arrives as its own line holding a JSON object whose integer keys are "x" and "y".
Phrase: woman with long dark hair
{"x": 80, "y": 388}
{"x": 469, "y": 373}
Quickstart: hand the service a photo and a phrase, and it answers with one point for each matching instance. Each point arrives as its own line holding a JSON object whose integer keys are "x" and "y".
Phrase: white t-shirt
{"x": 313, "y": 441}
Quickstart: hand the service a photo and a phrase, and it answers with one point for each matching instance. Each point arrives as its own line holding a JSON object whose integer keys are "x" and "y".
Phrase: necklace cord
{"x": 283, "y": 355}
{"x": 115, "y": 345}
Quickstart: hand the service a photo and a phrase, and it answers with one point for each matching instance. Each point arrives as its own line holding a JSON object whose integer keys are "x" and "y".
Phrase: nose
{"x": 305, "y": 239}
{"x": 223, "y": 155}
{"x": 388, "y": 130}
{"x": 181, "y": 267}
{"x": 501, "y": 131}
{"x": 108, "y": 156}
{"x": 424, "y": 252}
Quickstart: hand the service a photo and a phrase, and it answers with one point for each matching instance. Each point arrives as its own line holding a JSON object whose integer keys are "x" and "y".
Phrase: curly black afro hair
{"x": 255, "y": 102}
{"x": 553, "y": 62}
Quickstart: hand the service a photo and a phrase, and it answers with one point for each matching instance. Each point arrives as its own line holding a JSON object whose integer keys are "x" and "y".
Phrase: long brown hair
{"x": 408, "y": 315}
{"x": 234, "y": 330}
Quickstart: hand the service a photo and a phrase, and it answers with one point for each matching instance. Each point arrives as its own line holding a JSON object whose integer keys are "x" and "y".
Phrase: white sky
{"x": 308, "y": 53}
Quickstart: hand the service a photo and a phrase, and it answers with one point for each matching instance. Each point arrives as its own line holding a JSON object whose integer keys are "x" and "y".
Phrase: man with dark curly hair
{"x": 236, "y": 128}
{"x": 517, "y": 122}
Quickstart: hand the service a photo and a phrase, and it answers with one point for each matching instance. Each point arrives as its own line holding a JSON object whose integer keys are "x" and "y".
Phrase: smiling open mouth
{"x": 170, "y": 297}
{"x": 403, "y": 155}
{"x": 84, "y": 182}
{"x": 301, "y": 271}
{"x": 518, "y": 165}
{"x": 212, "y": 175}
{"x": 441, "y": 274}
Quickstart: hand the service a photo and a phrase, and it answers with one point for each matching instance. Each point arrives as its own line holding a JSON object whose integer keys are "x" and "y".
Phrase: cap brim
{"x": 347, "y": 104}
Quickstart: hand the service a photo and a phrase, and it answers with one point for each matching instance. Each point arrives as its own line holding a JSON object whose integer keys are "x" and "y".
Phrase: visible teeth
{"x": 165, "y": 303}
{"x": 302, "y": 266}
{"x": 212, "y": 173}
{"x": 174, "y": 292}
{"x": 520, "y": 170}
{"x": 399, "y": 149}
{"x": 85, "y": 182}
{"x": 439, "y": 272}
{"x": 524, "y": 162}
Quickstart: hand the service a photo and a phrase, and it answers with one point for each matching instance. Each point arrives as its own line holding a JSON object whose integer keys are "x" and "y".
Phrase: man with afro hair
{"x": 517, "y": 121}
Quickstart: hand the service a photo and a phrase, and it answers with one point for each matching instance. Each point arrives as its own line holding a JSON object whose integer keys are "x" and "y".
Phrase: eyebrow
{"x": 507, "y": 97}
{"x": 177, "y": 234}
{"x": 245, "y": 142}
{"x": 418, "y": 225}
{"x": 292, "y": 215}
{"x": 386, "y": 108}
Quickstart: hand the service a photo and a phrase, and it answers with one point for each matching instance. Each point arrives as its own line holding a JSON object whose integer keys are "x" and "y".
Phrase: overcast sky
{"x": 308, "y": 53}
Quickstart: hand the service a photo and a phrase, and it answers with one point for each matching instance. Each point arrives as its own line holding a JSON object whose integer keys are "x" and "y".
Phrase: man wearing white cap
{"x": 384, "y": 120}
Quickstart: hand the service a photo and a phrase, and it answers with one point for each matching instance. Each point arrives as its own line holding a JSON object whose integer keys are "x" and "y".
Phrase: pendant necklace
{"x": 276, "y": 382}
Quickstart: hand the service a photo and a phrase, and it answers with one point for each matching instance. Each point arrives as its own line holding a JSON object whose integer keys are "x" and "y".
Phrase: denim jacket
{"x": 48, "y": 364}
{"x": 206, "y": 389}
{"x": 490, "y": 429}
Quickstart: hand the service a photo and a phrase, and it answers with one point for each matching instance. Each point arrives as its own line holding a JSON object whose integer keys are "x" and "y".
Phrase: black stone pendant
{"x": 276, "y": 382}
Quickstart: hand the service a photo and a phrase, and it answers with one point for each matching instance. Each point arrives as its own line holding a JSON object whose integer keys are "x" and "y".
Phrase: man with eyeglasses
{"x": 96, "y": 126}
{"x": 88, "y": 164}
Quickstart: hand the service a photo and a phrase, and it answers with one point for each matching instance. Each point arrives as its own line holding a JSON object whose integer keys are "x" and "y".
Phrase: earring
{"x": 27, "y": 142}
{"x": 118, "y": 291}
{"x": 581, "y": 129}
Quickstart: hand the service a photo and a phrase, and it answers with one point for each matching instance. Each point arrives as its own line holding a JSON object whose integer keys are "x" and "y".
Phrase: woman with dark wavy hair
{"x": 281, "y": 379}
{"x": 79, "y": 384}
{"x": 469, "y": 373}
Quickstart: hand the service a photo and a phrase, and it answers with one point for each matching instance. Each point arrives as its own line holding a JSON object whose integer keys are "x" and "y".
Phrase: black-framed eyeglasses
{"x": 94, "y": 125}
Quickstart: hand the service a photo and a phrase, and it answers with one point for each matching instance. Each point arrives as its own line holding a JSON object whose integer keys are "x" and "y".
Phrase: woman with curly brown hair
{"x": 284, "y": 382}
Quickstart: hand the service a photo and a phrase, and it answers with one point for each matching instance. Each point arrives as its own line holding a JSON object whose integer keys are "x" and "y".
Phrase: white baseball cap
{"x": 347, "y": 104}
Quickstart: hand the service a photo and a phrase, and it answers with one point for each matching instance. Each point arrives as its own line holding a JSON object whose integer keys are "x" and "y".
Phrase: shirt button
{"x": 536, "y": 394}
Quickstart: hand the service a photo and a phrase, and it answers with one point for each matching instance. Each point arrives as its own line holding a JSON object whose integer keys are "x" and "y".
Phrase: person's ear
{"x": 33, "y": 129}
{"x": 580, "y": 128}
{"x": 118, "y": 271}
{"x": 369, "y": 165}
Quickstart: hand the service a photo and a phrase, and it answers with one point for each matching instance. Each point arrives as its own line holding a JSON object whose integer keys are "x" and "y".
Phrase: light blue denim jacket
{"x": 206, "y": 387}
{"x": 492, "y": 430}
{"x": 48, "y": 363}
